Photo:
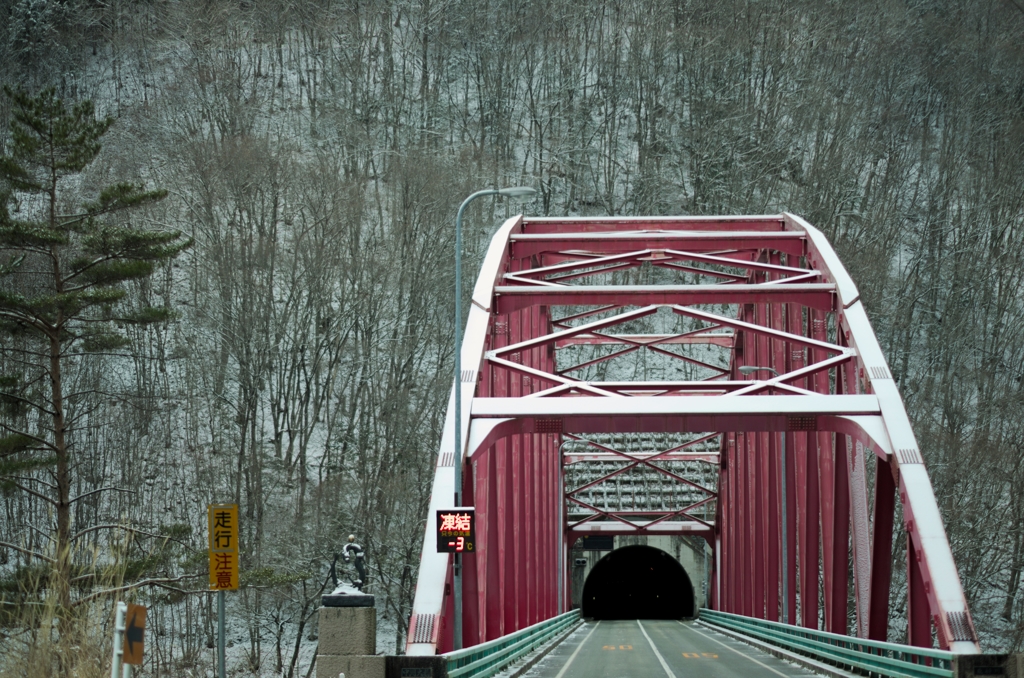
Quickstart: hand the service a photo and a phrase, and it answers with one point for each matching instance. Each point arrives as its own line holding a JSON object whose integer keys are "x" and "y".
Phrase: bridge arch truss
{"x": 603, "y": 393}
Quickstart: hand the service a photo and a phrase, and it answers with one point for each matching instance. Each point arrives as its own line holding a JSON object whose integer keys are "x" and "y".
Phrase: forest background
{"x": 315, "y": 152}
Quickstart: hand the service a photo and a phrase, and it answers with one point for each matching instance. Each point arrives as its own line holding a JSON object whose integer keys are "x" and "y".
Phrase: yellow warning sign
{"x": 223, "y": 532}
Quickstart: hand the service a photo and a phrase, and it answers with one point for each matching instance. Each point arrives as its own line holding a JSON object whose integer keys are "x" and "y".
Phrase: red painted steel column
{"x": 826, "y": 487}
{"x": 547, "y": 533}
{"x": 558, "y": 563}
{"x": 551, "y": 516}
{"x": 529, "y": 569}
{"x": 520, "y": 485}
{"x": 777, "y": 356}
{"x": 720, "y": 586}
{"x": 541, "y": 521}
{"x": 801, "y": 488}
{"x": 750, "y": 547}
{"x": 496, "y": 598}
{"x": 470, "y": 599}
{"x": 506, "y": 562}
{"x": 735, "y": 504}
{"x": 759, "y": 467}
{"x": 537, "y": 521}
{"x": 804, "y": 471}
{"x": 793, "y": 360}
{"x": 740, "y": 538}
{"x": 445, "y": 641}
{"x": 519, "y": 502}
{"x": 754, "y": 556}
{"x": 549, "y": 526}
{"x": 810, "y": 575}
{"x": 498, "y": 387}
{"x": 554, "y": 467}
{"x": 810, "y": 517}
{"x": 739, "y": 532}
{"x": 546, "y": 359}
{"x": 762, "y": 359}
{"x": 841, "y": 539}
{"x": 722, "y": 523}
{"x": 479, "y": 560}
{"x": 544, "y": 518}
{"x": 919, "y": 627}
{"x": 812, "y": 511}
{"x": 881, "y": 551}
{"x": 774, "y": 537}
{"x": 714, "y": 598}
{"x": 551, "y": 510}
{"x": 792, "y": 565}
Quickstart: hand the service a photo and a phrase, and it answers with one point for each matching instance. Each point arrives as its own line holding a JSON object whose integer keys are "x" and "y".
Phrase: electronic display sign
{"x": 456, "y": 530}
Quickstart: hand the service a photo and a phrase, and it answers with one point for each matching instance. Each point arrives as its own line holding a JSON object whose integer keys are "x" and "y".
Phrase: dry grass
{"x": 33, "y": 646}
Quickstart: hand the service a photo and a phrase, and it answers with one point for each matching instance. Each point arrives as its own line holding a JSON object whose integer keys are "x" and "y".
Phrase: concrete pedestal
{"x": 348, "y": 638}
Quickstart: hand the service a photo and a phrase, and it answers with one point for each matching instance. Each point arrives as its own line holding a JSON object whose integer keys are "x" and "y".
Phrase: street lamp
{"x": 521, "y": 192}
{"x": 750, "y": 369}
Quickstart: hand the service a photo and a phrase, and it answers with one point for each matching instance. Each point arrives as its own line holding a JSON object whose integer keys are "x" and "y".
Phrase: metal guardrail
{"x": 487, "y": 659}
{"x": 871, "y": 656}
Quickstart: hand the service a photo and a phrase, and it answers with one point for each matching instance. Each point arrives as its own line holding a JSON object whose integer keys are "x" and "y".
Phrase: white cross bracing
{"x": 645, "y": 489}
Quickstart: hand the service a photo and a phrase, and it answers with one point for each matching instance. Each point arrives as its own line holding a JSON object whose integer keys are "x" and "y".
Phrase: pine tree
{"x": 63, "y": 294}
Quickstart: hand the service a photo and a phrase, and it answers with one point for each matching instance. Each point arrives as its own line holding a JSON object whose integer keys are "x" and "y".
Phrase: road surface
{"x": 657, "y": 649}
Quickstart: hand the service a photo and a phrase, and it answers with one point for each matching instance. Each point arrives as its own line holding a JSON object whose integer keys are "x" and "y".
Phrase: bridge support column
{"x": 348, "y": 637}
{"x": 881, "y": 556}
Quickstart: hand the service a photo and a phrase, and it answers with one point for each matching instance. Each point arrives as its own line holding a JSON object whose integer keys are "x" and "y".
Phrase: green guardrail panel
{"x": 487, "y": 659}
{"x": 877, "y": 657}
{"x": 840, "y": 652}
{"x": 836, "y": 637}
{"x": 840, "y": 655}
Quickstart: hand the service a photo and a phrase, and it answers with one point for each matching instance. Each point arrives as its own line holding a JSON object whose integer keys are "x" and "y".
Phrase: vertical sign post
{"x": 115, "y": 664}
{"x": 223, "y": 535}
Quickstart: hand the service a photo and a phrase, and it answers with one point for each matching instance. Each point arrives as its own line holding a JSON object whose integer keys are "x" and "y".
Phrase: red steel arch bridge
{"x": 654, "y": 376}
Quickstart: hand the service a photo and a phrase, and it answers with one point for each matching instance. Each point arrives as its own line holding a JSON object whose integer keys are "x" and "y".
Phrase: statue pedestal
{"x": 348, "y": 637}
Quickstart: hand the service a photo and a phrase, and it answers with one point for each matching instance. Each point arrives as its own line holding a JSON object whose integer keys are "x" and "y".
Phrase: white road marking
{"x": 661, "y": 659}
{"x": 778, "y": 673}
{"x": 578, "y": 648}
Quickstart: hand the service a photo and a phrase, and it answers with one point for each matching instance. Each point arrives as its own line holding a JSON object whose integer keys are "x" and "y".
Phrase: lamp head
{"x": 520, "y": 192}
{"x": 750, "y": 369}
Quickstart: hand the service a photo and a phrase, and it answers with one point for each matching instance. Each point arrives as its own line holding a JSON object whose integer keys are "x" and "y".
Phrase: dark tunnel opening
{"x": 638, "y": 582}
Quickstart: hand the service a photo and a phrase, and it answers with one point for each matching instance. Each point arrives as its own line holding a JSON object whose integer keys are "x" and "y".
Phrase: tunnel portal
{"x": 638, "y": 582}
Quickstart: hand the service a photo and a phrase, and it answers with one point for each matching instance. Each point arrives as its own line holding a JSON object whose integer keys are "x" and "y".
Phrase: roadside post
{"x": 222, "y": 522}
{"x": 115, "y": 662}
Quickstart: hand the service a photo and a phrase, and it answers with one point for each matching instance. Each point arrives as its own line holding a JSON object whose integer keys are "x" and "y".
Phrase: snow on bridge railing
{"x": 872, "y": 656}
{"x": 487, "y": 659}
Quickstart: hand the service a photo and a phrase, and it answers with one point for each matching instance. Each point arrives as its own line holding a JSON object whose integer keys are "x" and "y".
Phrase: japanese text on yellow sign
{"x": 223, "y": 531}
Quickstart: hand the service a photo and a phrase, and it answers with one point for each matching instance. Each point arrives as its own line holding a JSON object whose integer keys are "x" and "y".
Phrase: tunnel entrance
{"x": 638, "y": 582}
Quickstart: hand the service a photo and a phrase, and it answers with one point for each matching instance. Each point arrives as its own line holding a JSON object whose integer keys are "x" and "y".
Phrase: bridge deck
{"x": 657, "y": 648}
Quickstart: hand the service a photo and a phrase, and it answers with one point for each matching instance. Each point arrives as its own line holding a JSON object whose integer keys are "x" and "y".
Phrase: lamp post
{"x": 750, "y": 369}
{"x": 513, "y": 192}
